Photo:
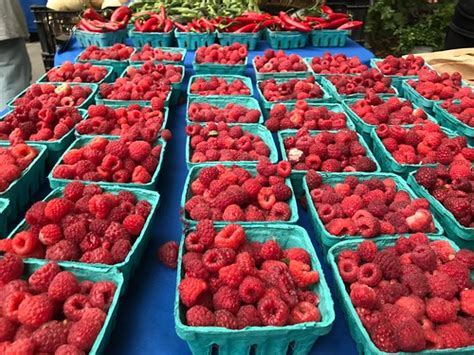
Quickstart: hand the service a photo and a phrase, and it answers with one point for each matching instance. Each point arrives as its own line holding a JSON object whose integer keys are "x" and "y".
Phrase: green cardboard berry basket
{"x": 21, "y": 191}
{"x": 327, "y": 240}
{"x": 154, "y": 39}
{"x": 297, "y": 176}
{"x": 449, "y": 121}
{"x": 256, "y": 130}
{"x": 86, "y": 272}
{"x": 118, "y": 65}
{"x": 329, "y": 38}
{"x": 194, "y": 40}
{"x": 129, "y": 265}
{"x": 268, "y": 104}
{"x": 100, "y": 39}
{"x": 246, "y": 80}
{"x": 365, "y": 128}
{"x": 221, "y": 102}
{"x": 4, "y": 204}
{"x": 461, "y": 235}
{"x": 193, "y": 174}
{"x": 109, "y": 77}
{"x": 216, "y": 68}
{"x": 82, "y": 141}
{"x": 288, "y": 74}
{"x": 182, "y": 51}
{"x": 55, "y": 147}
{"x": 249, "y": 39}
{"x": 364, "y": 343}
{"x": 87, "y": 102}
{"x": 99, "y": 100}
{"x": 389, "y": 164}
{"x": 295, "y": 339}
{"x": 287, "y": 39}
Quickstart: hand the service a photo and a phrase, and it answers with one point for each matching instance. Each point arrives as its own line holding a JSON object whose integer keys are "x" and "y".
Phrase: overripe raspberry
{"x": 190, "y": 289}
{"x": 251, "y": 289}
{"x": 369, "y": 274}
{"x": 35, "y": 310}
{"x": 417, "y": 283}
{"x": 11, "y": 268}
{"x": 298, "y": 254}
{"x": 168, "y": 254}
{"x": 348, "y": 269}
{"x": 226, "y": 319}
{"x": 441, "y": 285}
{"x": 102, "y": 294}
{"x": 40, "y": 280}
{"x": 75, "y": 306}
{"x": 63, "y": 285}
{"x": 426, "y": 177}
{"x": 273, "y": 311}
{"x": 368, "y": 317}
{"x": 367, "y": 250}
{"x": 363, "y": 296}
{"x": 200, "y": 316}
{"x": 389, "y": 263}
{"x": 440, "y": 311}
{"x": 453, "y": 335}
{"x": 50, "y": 336}
{"x": 248, "y": 316}
{"x": 83, "y": 333}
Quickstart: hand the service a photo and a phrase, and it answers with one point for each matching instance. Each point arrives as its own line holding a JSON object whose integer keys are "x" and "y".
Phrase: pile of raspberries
{"x": 368, "y": 81}
{"x": 327, "y": 151}
{"x": 147, "y": 52}
{"x": 411, "y": 296}
{"x": 230, "y": 113}
{"x": 77, "y": 72}
{"x": 218, "y": 86}
{"x": 291, "y": 89}
{"x": 337, "y": 64}
{"x": 463, "y": 109}
{"x": 279, "y": 62}
{"x": 423, "y": 144}
{"x": 409, "y": 66}
{"x": 233, "y": 282}
{"x": 217, "y": 54}
{"x": 50, "y": 95}
{"x": 51, "y": 311}
{"x": 13, "y": 160}
{"x": 453, "y": 186}
{"x": 434, "y": 86}
{"x": 233, "y": 194}
{"x": 118, "y": 52}
{"x": 220, "y": 142}
{"x": 368, "y": 208}
{"x": 110, "y": 161}
{"x": 86, "y": 224}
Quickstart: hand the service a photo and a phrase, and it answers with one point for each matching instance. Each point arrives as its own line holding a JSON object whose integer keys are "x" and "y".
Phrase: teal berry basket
{"x": 296, "y": 339}
{"x": 228, "y": 78}
{"x": 55, "y": 148}
{"x": 248, "y": 39}
{"x": 215, "y": 68}
{"x": 341, "y": 97}
{"x": 256, "y": 130}
{"x": 154, "y": 39}
{"x": 288, "y": 74}
{"x": 4, "y": 204}
{"x": 365, "y": 128}
{"x": 287, "y": 39}
{"x": 297, "y": 176}
{"x": 80, "y": 142}
{"x": 193, "y": 175}
{"x": 267, "y": 105}
{"x": 194, "y": 40}
{"x": 87, "y": 102}
{"x": 94, "y": 274}
{"x": 109, "y": 77}
{"x": 99, "y": 100}
{"x": 102, "y": 39}
{"x": 129, "y": 265}
{"x": 358, "y": 332}
{"x": 327, "y": 240}
{"x": 329, "y": 38}
{"x": 221, "y": 102}
{"x": 447, "y": 120}
{"x": 181, "y": 51}
{"x": 118, "y": 65}
{"x": 463, "y": 236}
{"x": 21, "y": 191}
{"x": 389, "y": 164}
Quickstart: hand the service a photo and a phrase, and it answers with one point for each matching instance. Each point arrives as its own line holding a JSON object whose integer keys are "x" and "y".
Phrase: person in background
{"x": 15, "y": 66}
{"x": 461, "y": 29}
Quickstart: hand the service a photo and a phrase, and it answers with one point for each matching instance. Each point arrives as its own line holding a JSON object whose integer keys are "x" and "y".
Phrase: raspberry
{"x": 391, "y": 291}
{"x": 40, "y": 280}
{"x": 348, "y": 269}
{"x": 200, "y": 212}
{"x": 7, "y": 330}
{"x": 233, "y": 213}
{"x": 453, "y": 335}
{"x": 206, "y": 232}
{"x": 226, "y": 319}
{"x": 231, "y": 275}
{"x": 389, "y": 263}
{"x": 271, "y": 250}
{"x": 93, "y": 313}
{"x": 302, "y": 274}
{"x": 21, "y": 346}
{"x": 75, "y": 306}
{"x": 458, "y": 272}
{"x": 50, "y": 234}
{"x": 313, "y": 179}
{"x": 73, "y": 191}
{"x": 383, "y": 336}
{"x": 417, "y": 283}
{"x": 441, "y": 285}
{"x": 412, "y": 305}
{"x": 35, "y": 310}
{"x": 208, "y": 174}
{"x": 102, "y": 294}
{"x": 467, "y": 301}
{"x": 120, "y": 250}
{"x": 50, "y": 336}
{"x": 363, "y": 296}
{"x": 440, "y": 311}
{"x": 282, "y": 192}
{"x": 231, "y": 236}
{"x": 83, "y": 333}
{"x": 57, "y": 208}
{"x": 369, "y": 274}
{"x": 86, "y": 286}
{"x": 426, "y": 177}
{"x": 97, "y": 256}
{"x": 304, "y": 312}
{"x": 200, "y": 316}
{"x": 248, "y": 316}
{"x": 465, "y": 256}
{"x": 168, "y": 254}
{"x": 351, "y": 204}
{"x": 226, "y": 298}
{"x": 139, "y": 150}
{"x": 251, "y": 289}
{"x": 367, "y": 250}
{"x": 99, "y": 226}
{"x": 62, "y": 286}
{"x": 410, "y": 336}
{"x": 24, "y": 243}
{"x": 273, "y": 311}
{"x": 115, "y": 231}
{"x": 280, "y": 212}
{"x": 298, "y": 254}
{"x": 190, "y": 289}
{"x": 134, "y": 224}
{"x": 11, "y": 268}
{"x": 424, "y": 257}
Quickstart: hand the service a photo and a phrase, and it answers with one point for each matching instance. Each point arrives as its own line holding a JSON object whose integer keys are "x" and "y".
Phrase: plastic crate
{"x": 267, "y": 105}
{"x": 215, "y": 68}
{"x": 297, "y": 339}
{"x": 87, "y": 102}
{"x": 246, "y": 80}
{"x": 154, "y": 39}
{"x": 194, "y": 40}
{"x": 327, "y": 240}
{"x": 245, "y": 101}
{"x": 256, "y": 130}
{"x": 248, "y": 39}
{"x": 297, "y": 176}
{"x": 109, "y": 77}
{"x": 100, "y": 39}
{"x": 21, "y": 191}
{"x": 92, "y": 273}
{"x": 80, "y": 142}
{"x": 4, "y": 204}
{"x": 448, "y": 120}
{"x": 183, "y": 52}
{"x": 463, "y": 236}
{"x": 364, "y": 343}
{"x": 329, "y": 38}
{"x": 341, "y": 97}
{"x": 118, "y": 65}
{"x": 288, "y": 74}
{"x": 287, "y": 39}
{"x": 193, "y": 174}
{"x": 101, "y": 101}
{"x": 129, "y": 265}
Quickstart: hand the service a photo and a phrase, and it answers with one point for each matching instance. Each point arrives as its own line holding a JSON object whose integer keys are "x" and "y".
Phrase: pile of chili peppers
{"x": 151, "y": 21}
{"x": 92, "y": 21}
{"x": 327, "y": 19}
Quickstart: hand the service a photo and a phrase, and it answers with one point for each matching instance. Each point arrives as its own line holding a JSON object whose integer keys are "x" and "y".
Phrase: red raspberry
{"x": 233, "y": 213}
{"x": 73, "y": 191}
{"x": 383, "y": 336}
{"x": 390, "y": 292}
{"x": 24, "y": 243}
{"x": 35, "y": 310}
{"x": 208, "y": 174}
{"x": 442, "y": 286}
{"x": 226, "y": 319}
{"x": 271, "y": 250}
{"x": 298, "y": 254}
{"x": 348, "y": 269}
{"x": 367, "y": 250}
{"x": 102, "y": 294}
{"x": 410, "y": 336}
{"x": 213, "y": 259}
{"x": 248, "y": 316}
{"x": 302, "y": 274}
{"x": 200, "y": 316}
{"x": 226, "y": 298}
{"x": 412, "y": 305}
{"x": 206, "y": 232}
{"x": 251, "y": 289}
{"x": 50, "y": 336}
{"x": 426, "y": 177}
{"x": 369, "y": 274}
{"x": 440, "y": 311}
{"x": 57, "y": 208}
{"x": 231, "y": 275}
{"x": 75, "y": 306}
{"x": 190, "y": 289}
{"x": 83, "y": 333}
{"x": 168, "y": 254}
{"x": 273, "y": 311}
{"x": 21, "y": 346}
{"x": 467, "y": 302}
{"x": 134, "y": 224}
{"x": 166, "y": 135}
{"x": 62, "y": 286}
{"x": 282, "y": 192}
{"x": 231, "y": 236}
{"x": 349, "y": 254}
{"x": 351, "y": 204}
{"x": 443, "y": 250}
{"x": 453, "y": 335}
{"x": 280, "y": 212}
{"x": 200, "y": 211}
{"x": 93, "y": 313}
{"x": 50, "y": 234}
{"x": 424, "y": 257}
{"x": 465, "y": 256}
{"x": 313, "y": 179}
{"x": 7, "y": 329}
{"x": 139, "y": 150}
{"x": 97, "y": 256}
{"x": 363, "y": 296}
{"x": 115, "y": 231}
{"x": 458, "y": 272}
{"x": 11, "y": 268}
{"x": 389, "y": 263}
{"x": 35, "y": 214}
{"x": 417, "y": 283}
{"x": 40, "y": 280}
{"x": 304, "y": 312}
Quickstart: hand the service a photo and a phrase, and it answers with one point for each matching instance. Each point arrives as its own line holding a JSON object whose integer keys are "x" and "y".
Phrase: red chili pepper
{"x": 334, "y": 24}
{"x": 326, "y": 9}
{"x": 109, "y": 26}
{"x": 181, "y": 27}
{"x": 351, "y": 25}
{"x": 162, "y": 13}
{"x": 168, "y": 25}
{"x": 120, "y": 14}
{"x": 315, "y": 19}
{"x": 138, "y": 25}
{"x": 86, "y": 25}
{"x": 91, "y": 14}
{"x": 208, "y": 25}
{"x": 336, "y": 16}
{"x": 150, "y": 25}
{"x": 247, "y": 28}
{"x": 293, "y": 23}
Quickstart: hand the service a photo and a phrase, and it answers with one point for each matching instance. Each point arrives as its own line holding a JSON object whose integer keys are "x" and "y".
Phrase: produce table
{"x": 145, "y": 324}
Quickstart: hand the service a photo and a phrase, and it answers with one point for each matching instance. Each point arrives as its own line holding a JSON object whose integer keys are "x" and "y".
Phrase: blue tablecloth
{"x": 145, "y": 324}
